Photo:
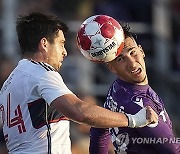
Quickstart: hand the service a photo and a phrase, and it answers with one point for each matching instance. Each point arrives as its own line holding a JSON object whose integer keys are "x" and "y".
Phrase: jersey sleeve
{"x": 160, "y": 138}
{"x": 51, "y": 86}
{"x": 99, "y": 140}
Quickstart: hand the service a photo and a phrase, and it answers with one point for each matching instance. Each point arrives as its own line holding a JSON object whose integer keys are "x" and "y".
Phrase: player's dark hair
{"x": 35, "y": 26}
{"x": 127, "y": 31}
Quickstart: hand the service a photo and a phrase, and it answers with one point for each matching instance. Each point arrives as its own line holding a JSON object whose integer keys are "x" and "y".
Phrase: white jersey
{"x": 25, "y": 100}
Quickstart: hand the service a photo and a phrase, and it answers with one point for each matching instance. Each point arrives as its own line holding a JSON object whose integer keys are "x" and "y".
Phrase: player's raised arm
{"x": 84, "y": 112}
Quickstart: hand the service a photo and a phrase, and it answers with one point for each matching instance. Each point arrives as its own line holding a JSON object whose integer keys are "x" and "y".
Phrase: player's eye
{"x": 62, "y": 44}
{"x": 120, "y": 59}
{"x": 133, "y": 52}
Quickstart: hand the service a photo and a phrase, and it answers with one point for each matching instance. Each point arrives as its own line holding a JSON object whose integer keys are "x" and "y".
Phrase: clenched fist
{"x": 146, "y": 116}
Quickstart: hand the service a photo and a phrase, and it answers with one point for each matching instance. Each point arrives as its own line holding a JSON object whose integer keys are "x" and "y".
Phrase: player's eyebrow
{"x": 131, "y": 48}
{"x": 128, "y": 50}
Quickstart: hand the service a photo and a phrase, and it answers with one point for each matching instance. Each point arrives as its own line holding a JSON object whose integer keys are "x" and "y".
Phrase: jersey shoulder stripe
{"x": 44, "y": 65}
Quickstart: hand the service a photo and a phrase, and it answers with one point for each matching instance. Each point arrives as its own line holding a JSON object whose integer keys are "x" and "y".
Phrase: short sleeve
{"x": 51, "y": 86}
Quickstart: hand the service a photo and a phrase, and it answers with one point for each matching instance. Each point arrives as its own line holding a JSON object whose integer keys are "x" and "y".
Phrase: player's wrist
{"x": 131, "y": 122}
{"x": 138, "y": 119}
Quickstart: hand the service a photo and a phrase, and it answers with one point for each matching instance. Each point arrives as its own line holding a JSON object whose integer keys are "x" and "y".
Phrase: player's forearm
{"x": 99, "y": 117}
{"x": 87, "y": 113}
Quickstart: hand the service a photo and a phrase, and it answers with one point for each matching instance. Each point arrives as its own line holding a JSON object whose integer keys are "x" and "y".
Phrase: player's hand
{"x": 152, "y": 117}
{"x": 146, "y": 116}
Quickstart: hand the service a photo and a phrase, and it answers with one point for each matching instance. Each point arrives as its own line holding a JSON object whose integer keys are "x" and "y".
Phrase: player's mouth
{"x": 61, "y": 61}
{"x": 136, "y": 72}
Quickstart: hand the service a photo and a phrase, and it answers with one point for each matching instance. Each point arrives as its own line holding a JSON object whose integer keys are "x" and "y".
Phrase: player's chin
{"x": 59, "y": 67}
{"x": 140, "y": 79}
{"x": 137, "y": 78}
{"x": 60, "y": 64}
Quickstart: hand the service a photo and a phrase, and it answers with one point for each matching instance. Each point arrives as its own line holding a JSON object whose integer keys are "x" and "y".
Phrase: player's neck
{"x": 35, "y": 57}
{"x": 142, "y": 82}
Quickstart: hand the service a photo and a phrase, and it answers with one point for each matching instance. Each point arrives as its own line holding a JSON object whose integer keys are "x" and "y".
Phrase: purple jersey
{"x": 130, "y": 98}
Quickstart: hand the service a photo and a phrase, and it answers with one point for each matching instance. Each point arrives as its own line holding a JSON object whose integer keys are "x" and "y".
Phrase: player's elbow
{"x": 81, "y": 117}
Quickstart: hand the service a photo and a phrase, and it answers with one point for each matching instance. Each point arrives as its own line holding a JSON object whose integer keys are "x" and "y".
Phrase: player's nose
{"x": 64, "y": 52}
{"x": 131, "y": 62}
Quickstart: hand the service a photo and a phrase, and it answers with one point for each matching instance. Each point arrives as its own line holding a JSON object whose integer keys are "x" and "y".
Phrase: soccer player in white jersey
{"x": 36, "y": 105}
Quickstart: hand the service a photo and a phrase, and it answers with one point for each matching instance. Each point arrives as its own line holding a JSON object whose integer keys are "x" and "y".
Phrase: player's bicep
{"x": 69, "y": 105}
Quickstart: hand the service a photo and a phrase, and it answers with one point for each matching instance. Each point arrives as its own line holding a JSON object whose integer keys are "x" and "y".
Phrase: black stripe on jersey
{"x": 2, "y": 138}
{"x": 33, "y": 62}
{"x": 47, "y": 67}
{"x": 37, "y": 110}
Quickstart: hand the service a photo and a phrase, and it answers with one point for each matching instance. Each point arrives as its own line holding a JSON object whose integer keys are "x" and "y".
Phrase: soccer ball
{"x": 100, "y": 38}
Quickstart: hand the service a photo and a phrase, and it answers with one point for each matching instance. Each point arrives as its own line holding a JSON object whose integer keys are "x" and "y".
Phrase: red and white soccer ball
{"x": 100, "y": 38}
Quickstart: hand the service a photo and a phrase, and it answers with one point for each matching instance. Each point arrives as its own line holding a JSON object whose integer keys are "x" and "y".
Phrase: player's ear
{"x": 43, "y": 48}
{"x": 43, "y": 45}
{"x": 110, "y": 67}
{"x": 141, "y": 49}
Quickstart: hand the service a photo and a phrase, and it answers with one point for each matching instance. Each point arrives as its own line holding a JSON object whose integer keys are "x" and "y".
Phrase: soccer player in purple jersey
{"x": 129, "y": 93}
